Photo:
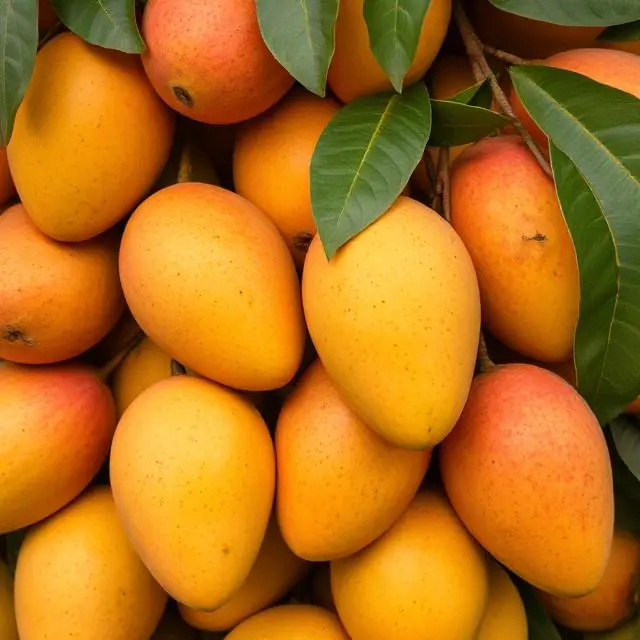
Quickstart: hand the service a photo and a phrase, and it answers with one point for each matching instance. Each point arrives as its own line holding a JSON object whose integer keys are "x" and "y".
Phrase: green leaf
{"x": 394, "y": 28}
{"x": 107, "y": 23}
{"x": 585, "y": 13}
{"x": 541, "y": 626}
{"x": 597, "y": 129}
{"x": 301, "y": 36}
{"x": 622, "y": 33}
{"x": 456, "y": 123}
{"x": 626, "y": 436}
{"x": 19, "y": 29}
{"x": 479, "y": 95}
{"x": 364, "y": 158}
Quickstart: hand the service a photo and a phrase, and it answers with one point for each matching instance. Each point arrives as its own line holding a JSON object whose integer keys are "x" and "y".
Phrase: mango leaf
{"x": 456, "y": 123}
{"x": 107, "y": 23}
{"x": 479, "y": 95}
{"x": 626, "y": 436}
{"x": 597, "y": 129}
{"x": 622, "y": 33}
{"x": 541, "y": 626}
{"x": 19, "y": 29}
{"x": 364, "y": 158}
{"x": 301, "y": 36}
{"x": 394, "y": 28}
{"x": 586, "y": 13}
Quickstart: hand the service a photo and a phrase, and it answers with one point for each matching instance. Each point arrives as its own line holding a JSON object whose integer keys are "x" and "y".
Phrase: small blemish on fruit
{"x": 538, "y": 237}
{"x": 183, "y": 95}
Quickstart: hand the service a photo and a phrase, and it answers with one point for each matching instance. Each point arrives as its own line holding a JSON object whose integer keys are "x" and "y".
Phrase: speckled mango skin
{"x": 8, "y": 628}
{"x": 291, "y": 621}
{"x": 395, "y": 319}
{"x": 193, "y": 475}
{"x": 78, "y": 577}
{"x": 507, "y": 213}
{"x": 528, "y": 471}
{"x": 427, "y": 566}
{"x": 211, "y": 281}
{"x": 57, "y": 424}
{"x": 207, "y": 60}
{"x": 90, "y": 138}
{"x": 57, "y": 300}
{"x": 340, "y": 485}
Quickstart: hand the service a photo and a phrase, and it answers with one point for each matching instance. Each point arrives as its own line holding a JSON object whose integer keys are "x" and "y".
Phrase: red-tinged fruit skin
{"x": 207, "y": 60}
{"x": 57, "y": 424}
{"x": 528, "y": 471}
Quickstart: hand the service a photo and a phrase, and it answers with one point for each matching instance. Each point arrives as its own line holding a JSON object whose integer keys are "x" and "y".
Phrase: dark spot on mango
{"x": 184, "y": 96}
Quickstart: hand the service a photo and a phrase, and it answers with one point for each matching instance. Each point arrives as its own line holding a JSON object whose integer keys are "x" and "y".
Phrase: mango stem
{"x": 485, "y": 363}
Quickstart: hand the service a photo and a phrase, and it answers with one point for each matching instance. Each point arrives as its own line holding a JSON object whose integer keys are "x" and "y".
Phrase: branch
{"x": 443, "y": 184}
{"x": 509, "y": 58}
{"x": 485, "y": 363}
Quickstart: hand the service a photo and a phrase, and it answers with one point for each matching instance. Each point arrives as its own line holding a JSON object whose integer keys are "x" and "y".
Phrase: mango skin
{"x": 8, "y": 626}
{"x": 504, "y": 467}
{"x": 193, "y": 474}
{"x": 424, "y": 578}
{"x": 211, "y": 281}
{"x": 57, "y": 424}
{"x": 109, "y": 594}
{"x": 508, "y": 215}
{"x": 395, "y": 319}
{"x": 90, "y": 138}
{"x": 207, "y": 60}
{"x": 276, "y": 570}
{"x": 340, "y": 485}
{"x": 290, "y": 621}
{"x": 354, "y": 71}
{"x": 57, "y": 300}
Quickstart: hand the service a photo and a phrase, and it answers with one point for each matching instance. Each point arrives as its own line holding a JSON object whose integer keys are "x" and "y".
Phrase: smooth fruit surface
{"x": 207, "y": 60}
{"x": 507, "y": 213}
{"x": 340, "y": 485}
{"x": 211, "y": 281}
{"x": 57, "y": 424}
{"x": 505, "y": 470}
{"x": 8, "y": 627}
{"x": 57, "y": 300}
{"x": 427, "y": 567}
{"x": 90, "y": 138}
{"x": 193, "y": 473}
{"x": 400, "y": 350}
{"x": 78, "y": 577}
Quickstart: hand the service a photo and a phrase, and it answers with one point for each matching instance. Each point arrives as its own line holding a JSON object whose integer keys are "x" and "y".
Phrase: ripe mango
{"x": 207, "y": 60}
{"x": 290, "y": 621}
{"x": 395, "y": 319}
{"x": 340, "y": 485}
{"x": 78, "y": 577}
{"x": 57, "y": 299}
{"x": 90, "y": 138}
{"x": 425, "y": 578}
{"x": 7, "y": 190}
{"x": 193, "y": 474}
{"x": 507, "y": 213}
{"x": 8, "y": 628}
{"x": 276, "y": 570}
{"x": 354, "y": 71}
{"x": 211, "y": 281}
{"x": 57, "y": 424}
{"x": 505, "y": 469}
{"x": 615, "y": 599}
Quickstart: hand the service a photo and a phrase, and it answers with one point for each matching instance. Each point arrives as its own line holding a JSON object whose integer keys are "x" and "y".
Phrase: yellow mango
{"x": 91, "y": 136}
{"x": 78, "y": 577}
{"x": 395, "y": 319}
{"x": 193, "y": 474}
{"x": 8, "y": 628}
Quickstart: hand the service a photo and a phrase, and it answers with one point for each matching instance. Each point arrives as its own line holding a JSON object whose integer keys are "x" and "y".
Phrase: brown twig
{"x": 485, "y": 363}
{"x": 509, "y": 58}
{"x": 432, "y": 173}
{"x": 483, "y": 71}
{"x": 185, "y": 168}
{"x": 444, "y": 183}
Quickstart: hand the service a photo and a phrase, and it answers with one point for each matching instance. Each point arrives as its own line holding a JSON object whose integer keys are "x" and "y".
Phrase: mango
{"x": 507, "y": 213}
{"x": 77, "y": 576}
{"x": 57, "y": 299}
{"x": 425, "y": 578}
{"x": 57, "y": 424}
{"x": 271, "y": 162}
{"x": 208, "y": 60}
{"x": 276, "y": 570}
{"x": 505, "y": 617}
{"x": 193, "y": 473}
{"x": 290, "y": 621}
{"x": 395, "y": 319}
{"x": 615, "y": 599}
{"x": 8, "y": 628}
{"x": 354, "y": 71}
{"x": 504, "y": 467}
{"x": 90, "y": 138}
{"x": 7, "y": 189}
{"x": 339, "y": 484}
{"x": 211, "y": 281}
